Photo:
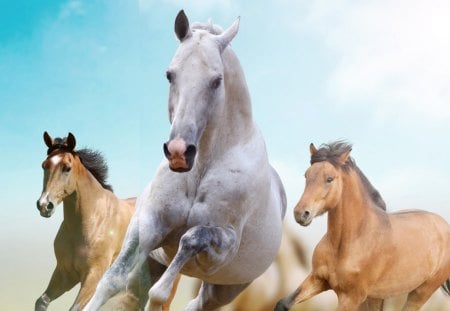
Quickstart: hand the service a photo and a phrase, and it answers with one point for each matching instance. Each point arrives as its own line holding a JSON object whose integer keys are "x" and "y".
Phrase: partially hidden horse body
{"x": 273, "y": 284}
{"x": 214, "y": 210}
{"x": 95, "y": 220}
{"x": 367, "y": 254}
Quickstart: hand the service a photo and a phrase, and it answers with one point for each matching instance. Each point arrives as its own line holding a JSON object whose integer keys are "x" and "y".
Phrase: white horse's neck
{"x": 234, "y": 124}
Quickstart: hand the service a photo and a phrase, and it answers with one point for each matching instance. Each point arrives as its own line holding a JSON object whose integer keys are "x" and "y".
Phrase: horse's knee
{"x": 196, "y": 240}
{"x": 201, "y": 237}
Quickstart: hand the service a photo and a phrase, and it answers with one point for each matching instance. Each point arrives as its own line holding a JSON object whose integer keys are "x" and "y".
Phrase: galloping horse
{"x": 95, "y": 220}
{"x": 367, "y": 255}
{"x": 214, "y": 210}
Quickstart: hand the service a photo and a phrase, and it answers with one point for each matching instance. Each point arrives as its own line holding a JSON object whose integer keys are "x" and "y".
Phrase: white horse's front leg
{"x": 213, "y": 244}
{"x": 213, "y": 296}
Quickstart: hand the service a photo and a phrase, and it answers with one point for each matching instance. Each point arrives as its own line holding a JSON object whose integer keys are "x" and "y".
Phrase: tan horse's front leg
{"x": 60, "y": 283}
{"x": 372, "y": 304}
{"x": 351, "y": 301}
{"x": 87, "y": 289}
{"x": 310, "y": 287}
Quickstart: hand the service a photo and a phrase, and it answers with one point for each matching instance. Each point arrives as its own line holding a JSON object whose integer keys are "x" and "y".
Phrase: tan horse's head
{"x": 58, "y": 173}
{"x": 323, "y": 187}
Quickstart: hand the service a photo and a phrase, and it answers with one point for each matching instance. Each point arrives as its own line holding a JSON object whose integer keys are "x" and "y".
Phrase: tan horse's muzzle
{"x": 303, "y": 216}
{"x": 45, "y": 206}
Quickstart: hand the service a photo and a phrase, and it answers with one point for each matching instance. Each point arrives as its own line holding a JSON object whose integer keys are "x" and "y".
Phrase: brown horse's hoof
{"x": 281, "y": 306}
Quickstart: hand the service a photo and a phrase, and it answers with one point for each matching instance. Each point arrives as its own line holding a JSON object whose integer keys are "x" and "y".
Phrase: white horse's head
{"x": 197, "y": 91}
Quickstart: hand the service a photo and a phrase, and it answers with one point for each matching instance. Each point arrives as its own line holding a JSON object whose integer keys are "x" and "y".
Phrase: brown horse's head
{"x": 323, "y": 188}
{"x": 58, "y": 179}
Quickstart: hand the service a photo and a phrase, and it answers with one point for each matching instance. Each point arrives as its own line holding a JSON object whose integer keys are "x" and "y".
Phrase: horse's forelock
{"x": 331, "y": 153}
{"x": 210, "y": 27}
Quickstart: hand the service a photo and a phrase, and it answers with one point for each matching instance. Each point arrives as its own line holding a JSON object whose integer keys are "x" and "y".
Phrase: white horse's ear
{"x": 182, "y": 29}
{"x": 225, "y": 37}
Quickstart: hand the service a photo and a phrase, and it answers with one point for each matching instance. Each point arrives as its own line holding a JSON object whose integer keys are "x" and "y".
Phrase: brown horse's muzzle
{"x": 303, "y": 216}
{"x": 181, "y": 157}
{"x": 45, "y": 207}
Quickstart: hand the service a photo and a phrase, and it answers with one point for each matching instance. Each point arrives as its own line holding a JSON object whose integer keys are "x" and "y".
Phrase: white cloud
{"x": 390, "y": 54}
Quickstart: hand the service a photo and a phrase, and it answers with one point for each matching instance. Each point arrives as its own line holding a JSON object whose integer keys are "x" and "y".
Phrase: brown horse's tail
{"x": 446, "y": 287}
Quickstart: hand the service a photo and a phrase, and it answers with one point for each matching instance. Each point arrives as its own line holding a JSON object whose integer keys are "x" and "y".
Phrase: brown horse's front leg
{"x": 60, "y": 283}
{"x": 352, "y": 301}
{"x": 87, "y": 289}
{"x": 372, "y": 304}
{"x": 310, "y": 287}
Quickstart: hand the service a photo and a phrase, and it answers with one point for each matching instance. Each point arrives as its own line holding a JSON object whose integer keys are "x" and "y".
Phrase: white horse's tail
{"x": 446, "y": 287}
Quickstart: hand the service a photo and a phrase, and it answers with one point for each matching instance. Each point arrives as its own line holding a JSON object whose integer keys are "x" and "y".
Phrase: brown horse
{"x": 367, "y": 255}
{"x": 95, "y": 220}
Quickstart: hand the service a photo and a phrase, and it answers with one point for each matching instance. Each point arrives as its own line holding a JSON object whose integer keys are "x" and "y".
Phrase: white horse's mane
{"x": 209, "y": 26}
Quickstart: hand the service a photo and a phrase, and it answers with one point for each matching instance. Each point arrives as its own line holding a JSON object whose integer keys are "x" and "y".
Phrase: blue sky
{"x": 376, "y": 74}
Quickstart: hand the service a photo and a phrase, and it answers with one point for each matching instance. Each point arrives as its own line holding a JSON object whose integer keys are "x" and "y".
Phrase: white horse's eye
{"x": 169, "y": 76}
{"x": 216, "y": 83}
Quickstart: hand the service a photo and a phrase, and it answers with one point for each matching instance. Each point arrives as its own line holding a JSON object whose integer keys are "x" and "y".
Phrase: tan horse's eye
{"x": 330, "y": 180}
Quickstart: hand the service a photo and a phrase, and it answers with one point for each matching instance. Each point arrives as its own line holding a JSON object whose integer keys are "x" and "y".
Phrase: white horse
{"x": 214, "y": 210}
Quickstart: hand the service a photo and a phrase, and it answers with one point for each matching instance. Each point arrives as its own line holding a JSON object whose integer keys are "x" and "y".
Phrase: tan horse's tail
{"x": 446, "y": 287}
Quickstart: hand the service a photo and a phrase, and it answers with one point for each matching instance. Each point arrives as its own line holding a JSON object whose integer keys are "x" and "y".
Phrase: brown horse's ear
{"x": 343, "y": 158}
{"x": 71, "y": 142}
{"x": 48, "y": 140}
{"x": 312, "y": 149}
{"x": 182, "y": 29}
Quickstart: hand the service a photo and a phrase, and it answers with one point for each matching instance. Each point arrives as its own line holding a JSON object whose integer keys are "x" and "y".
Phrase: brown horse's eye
{"x": 330, "y": 180}
{"x": 66, "y": 169}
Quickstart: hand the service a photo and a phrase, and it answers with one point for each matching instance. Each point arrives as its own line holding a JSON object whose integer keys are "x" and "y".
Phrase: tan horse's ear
{"x": 182, "y": 29}
{"x": 312, "y": 149}
{"x": 71, "y": 142}
{"x": 48, "y": 140}
{"x": 343, "y": 158}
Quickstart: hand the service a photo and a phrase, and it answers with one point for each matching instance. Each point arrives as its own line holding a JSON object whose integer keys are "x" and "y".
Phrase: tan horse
{"x": 366, "y": 255}
{"x": 95, "y": 220}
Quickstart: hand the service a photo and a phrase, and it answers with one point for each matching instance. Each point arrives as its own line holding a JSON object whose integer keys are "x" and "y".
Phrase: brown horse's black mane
{"x": 332, "y": 152}
{"x": 92, "y": 160}
{"x": 96, "y": 164}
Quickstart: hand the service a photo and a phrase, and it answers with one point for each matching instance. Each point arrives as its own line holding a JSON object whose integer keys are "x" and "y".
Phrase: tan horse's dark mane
{"x": 332, "y": 152}
{"x": 92, "y": 160}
